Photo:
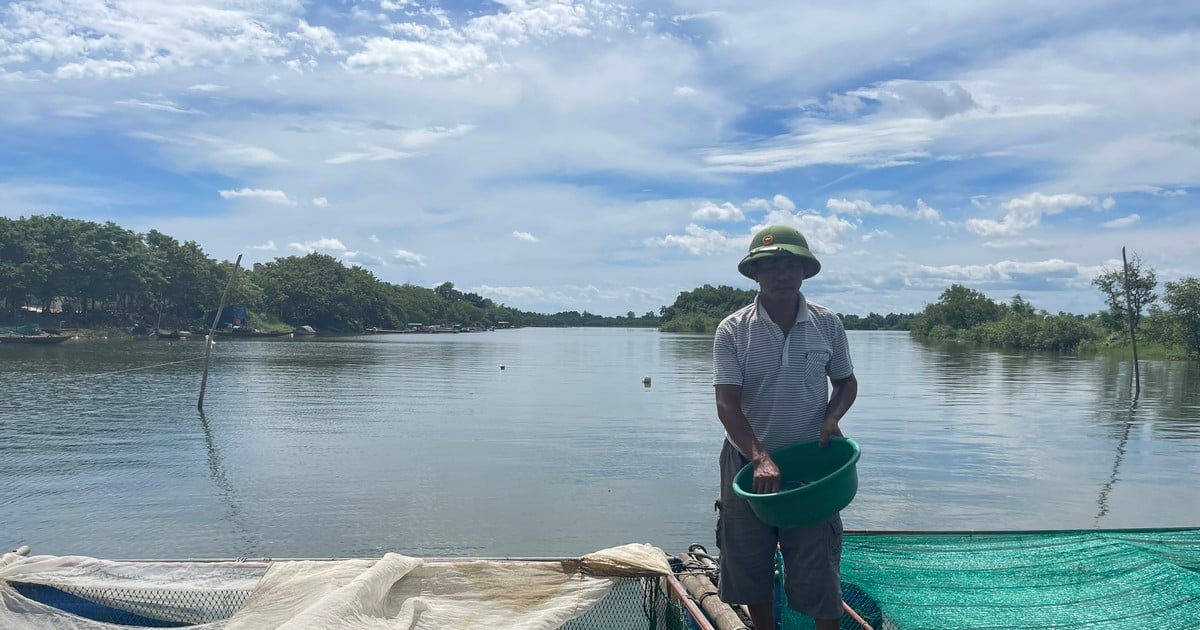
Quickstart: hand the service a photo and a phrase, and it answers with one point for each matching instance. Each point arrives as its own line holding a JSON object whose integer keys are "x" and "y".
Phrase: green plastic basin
{"x": 816, "y": 483}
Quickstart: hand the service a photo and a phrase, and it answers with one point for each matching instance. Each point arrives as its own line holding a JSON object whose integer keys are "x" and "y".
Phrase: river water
{"x": 546, "y": 442}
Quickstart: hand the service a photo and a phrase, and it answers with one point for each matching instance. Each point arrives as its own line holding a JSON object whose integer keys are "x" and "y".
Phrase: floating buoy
{"x": 646, "y": 381}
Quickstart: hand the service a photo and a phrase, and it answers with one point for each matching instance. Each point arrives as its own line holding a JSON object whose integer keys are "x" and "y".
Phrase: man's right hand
{"x": 766, "y": 476}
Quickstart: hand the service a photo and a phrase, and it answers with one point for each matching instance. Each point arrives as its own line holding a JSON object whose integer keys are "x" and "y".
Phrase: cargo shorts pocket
{"x": 835, "y": 540}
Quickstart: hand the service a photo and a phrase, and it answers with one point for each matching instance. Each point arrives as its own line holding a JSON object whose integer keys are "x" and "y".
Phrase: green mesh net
{"x": 1064, "y": 579}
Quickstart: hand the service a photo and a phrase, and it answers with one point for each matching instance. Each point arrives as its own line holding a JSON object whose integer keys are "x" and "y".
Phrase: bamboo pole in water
{"x": 1137, "y": 372}
{"x": 208, "y": 341}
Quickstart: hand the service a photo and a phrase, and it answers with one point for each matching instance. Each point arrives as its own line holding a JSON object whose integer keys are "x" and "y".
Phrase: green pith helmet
{"x": 779, "y": 240}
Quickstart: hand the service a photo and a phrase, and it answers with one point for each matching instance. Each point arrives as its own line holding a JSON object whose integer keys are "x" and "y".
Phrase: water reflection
{"x": 233, "y": 511}
{"x": 1102, "y": 499}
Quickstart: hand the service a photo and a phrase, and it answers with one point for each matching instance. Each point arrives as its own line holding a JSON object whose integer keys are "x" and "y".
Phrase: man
{"x": 773, "y": 362}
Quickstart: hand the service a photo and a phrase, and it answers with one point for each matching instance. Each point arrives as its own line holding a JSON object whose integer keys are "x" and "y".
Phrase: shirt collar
{"x": 802, "y": 314}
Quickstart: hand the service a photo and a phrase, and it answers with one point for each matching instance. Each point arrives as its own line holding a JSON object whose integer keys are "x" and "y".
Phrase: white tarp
{"x": 393, "y": 592}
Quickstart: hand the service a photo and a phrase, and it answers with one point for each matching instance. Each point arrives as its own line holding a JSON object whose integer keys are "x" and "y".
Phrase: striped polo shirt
{"x": 784, "y": 378}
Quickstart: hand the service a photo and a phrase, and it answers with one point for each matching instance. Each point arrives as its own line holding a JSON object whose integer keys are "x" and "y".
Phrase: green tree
{"x": 315, "y": 290}
{"x": 1184, "y": 299}
{"x": 701, "y": 309}
{"x": 1142, "y": 282}
{"x": 447, "y": 292}
{"x": 958, "y": 308}
{"x": 191, "y": 281}
{"x": 1161, "y": 326}
{"x": 16, "y": 281}
{"x": 1020, "y": 307}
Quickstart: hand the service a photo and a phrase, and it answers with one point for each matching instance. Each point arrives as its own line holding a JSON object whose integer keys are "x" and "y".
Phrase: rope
{"x": 144, "y": 367}
{"x": 700, "y": 600}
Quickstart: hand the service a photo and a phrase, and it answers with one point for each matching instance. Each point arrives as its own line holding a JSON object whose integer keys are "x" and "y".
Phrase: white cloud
{"x": 1037, "y": 204}
{"x": 320, "y": 244}
{"x": 1029, "y": 243}
{"x": 859, "y": 207}
{"x": 418, "y": 59}
{"x": 525, "y": 236}
{"x": 888, "y": 143}
{"x": 408, "y": 258}
{"x": 365, "y": 260}
{"x": 246, "y": 155}
{"x": 1004, "y": 271}
{"x": 874, "y": 234}
{"x": 696, "y": 240}
{"x": 778, "y": 202}
{"x": 76, "y": 40}
{"x": 926, "y": 213}
{"x": 320, "y": 202}
{"x": 510, "y": 293}
{"x": 318, "y": 39}
{"x": 1026, "y": 212}
{"x": 269, "y": 246}
{"x": 526, "y": 21}
{"x": 273, "y": 196}
{"x": 1123, "y": 222}
{"x": 709, "y": 211}
{"x": 935, "y": 99}
{"x": 161, "y": 105}
{"x": 416, "y": 138}
{"x": 374, "y": 154}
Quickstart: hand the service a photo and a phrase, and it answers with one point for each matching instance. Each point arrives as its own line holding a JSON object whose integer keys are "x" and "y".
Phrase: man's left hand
{"x": 829, "y": 428}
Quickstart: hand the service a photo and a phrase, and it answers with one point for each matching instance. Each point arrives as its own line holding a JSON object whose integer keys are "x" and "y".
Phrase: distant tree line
{"x": 81, "y": 273}
{"x": 875, "y": 321}
{"x": 576, "y": 319}
{"x": 700, "y": 310}
{"x": 964, "y": 314}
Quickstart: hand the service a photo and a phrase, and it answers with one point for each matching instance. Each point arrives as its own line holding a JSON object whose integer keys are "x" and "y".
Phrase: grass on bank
{"x": 1150, "y": 351}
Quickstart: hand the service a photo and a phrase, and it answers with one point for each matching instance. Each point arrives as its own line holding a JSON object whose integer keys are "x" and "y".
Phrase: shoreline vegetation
{"x": 105, "y": 280}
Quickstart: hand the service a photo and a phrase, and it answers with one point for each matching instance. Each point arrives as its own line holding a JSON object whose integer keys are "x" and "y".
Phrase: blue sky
{"x": 605, "y": 157}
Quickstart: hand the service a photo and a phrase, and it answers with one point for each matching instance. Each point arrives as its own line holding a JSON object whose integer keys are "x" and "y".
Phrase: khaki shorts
{"x": 812, "y": 555}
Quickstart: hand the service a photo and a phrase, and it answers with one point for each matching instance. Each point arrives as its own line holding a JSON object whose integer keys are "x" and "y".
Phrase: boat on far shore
{"x": 250, "y": 333}
{"x": 44, "y": 339}
{"x": 176, "y": 334}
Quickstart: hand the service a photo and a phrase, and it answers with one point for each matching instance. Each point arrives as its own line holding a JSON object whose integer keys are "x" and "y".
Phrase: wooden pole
{"x": 1137, "y": 372}
{"x": 208, "y": 340}
{"x": 685, "y": 600}
{"x": 701, "y": 588}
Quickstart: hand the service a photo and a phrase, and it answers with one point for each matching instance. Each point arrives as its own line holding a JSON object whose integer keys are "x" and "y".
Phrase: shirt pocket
{"x": 816, "y": 365}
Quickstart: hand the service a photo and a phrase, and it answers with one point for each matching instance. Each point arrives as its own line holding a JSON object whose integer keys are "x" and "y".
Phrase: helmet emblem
{"x": 768, "y": 239}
